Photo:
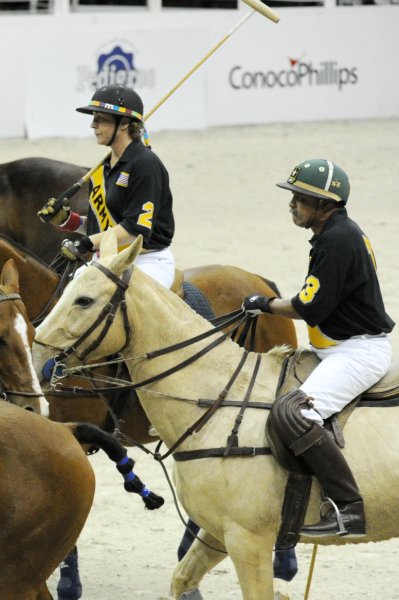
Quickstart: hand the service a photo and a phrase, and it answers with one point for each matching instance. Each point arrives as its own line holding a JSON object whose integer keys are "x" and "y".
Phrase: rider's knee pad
{"x": 294, "y": 430}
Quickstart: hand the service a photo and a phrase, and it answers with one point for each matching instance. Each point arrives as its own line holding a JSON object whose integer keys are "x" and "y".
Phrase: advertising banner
{"x": 317, "y": 63}
{"x": 326, "y": 65}
{"x": 64, "y": 74}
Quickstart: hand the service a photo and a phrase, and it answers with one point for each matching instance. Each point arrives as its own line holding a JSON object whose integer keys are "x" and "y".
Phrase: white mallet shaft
{"x": 199, "y": 63}
{"x": 257, "y": 6}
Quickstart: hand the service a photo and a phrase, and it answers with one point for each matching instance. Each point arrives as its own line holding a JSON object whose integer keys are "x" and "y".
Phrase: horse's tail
{"x": 86, "y": 433}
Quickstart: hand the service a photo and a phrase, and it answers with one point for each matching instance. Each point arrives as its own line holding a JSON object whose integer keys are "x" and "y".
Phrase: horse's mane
{"x": 26, "y": 251}
{"x": 280, "y": 351}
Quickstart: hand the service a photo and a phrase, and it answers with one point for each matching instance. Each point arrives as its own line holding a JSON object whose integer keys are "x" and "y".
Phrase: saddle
{"x": 297, "y": 367}
{"x": 192, "y": 295}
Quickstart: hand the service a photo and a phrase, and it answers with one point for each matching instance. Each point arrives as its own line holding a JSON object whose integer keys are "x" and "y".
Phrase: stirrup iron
{"x": 338, "y": 516}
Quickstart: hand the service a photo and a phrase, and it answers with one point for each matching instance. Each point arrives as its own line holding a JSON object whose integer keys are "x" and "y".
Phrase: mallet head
{"x": 263, "y": 9}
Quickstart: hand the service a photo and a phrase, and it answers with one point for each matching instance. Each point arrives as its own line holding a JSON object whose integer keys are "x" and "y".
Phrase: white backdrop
{"x": 66, "y": 76}
{"x": 317, "y": 64}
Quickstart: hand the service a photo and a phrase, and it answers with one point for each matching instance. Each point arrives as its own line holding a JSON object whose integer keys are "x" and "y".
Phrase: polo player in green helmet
{"x": 348, "y": 329}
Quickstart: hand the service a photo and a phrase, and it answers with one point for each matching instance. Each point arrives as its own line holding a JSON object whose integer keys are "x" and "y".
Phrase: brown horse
{"x": 42, "y": 520}
{"x": 46, "y": 489}
{"x": 18, "y": 380}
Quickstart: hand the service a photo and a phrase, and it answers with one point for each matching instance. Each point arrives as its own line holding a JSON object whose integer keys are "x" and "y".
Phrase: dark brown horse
{"x": 25, "y": 185}
{"x": 46, "y": 481}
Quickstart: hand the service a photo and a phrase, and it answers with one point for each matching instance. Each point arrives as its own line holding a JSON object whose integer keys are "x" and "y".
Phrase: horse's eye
{"x": 84, "y": 301}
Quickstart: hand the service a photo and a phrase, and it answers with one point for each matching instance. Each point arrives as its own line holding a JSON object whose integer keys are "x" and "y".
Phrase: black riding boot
{"x": 346, "y": 513}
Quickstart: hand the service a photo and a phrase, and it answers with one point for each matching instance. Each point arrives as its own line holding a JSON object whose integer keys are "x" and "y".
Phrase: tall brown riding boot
{"x": 346, "y": 513}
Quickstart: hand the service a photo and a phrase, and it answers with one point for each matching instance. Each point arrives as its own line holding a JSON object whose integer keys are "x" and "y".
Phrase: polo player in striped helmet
{"x": 129, "y": 190}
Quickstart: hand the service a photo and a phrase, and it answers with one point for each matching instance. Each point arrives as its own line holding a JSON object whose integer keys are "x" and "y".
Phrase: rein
{"x": 107, "y": 315}
{"x": 67, "y": 274}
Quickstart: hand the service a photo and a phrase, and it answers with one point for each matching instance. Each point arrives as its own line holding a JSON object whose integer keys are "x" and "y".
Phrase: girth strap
{"x": 232, "y": 440}
{"x": 198, "y": 425}
{"x": 219, "y": 453}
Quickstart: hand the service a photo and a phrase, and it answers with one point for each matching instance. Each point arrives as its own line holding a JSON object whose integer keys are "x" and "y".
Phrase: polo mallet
{"x": 257, "y": 6}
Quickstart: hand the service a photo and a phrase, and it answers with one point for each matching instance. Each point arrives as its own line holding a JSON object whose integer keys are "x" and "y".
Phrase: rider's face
{"x": 103, "y": 125}
{"x": 303, "y": 210}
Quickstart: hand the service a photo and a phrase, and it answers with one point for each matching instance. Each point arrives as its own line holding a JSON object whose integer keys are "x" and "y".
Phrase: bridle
{"x": 106, "y": 317}
{"x": 4, "y": 392}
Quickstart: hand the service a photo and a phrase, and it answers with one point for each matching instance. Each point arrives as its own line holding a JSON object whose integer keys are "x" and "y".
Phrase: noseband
{"x": 107, "y": 315}
{"x": 4, "y": 393}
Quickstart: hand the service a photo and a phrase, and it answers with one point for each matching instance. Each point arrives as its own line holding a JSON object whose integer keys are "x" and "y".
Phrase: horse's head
{"x": 18, "y": 381}
{"x": 80, "y": 323}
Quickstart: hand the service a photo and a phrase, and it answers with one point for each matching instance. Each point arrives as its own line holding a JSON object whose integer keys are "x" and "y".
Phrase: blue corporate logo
{"x": 116, "y": 64}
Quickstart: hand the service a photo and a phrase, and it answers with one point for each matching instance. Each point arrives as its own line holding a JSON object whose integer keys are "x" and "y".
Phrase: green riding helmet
{"x": 118, "y": 100}
{"x": 319, "y": 178}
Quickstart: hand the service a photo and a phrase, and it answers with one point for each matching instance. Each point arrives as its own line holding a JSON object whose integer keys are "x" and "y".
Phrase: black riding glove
{"x": 256, "y": 305}
{"x": 48, "y": 212}
{"x": 78, "y": 249}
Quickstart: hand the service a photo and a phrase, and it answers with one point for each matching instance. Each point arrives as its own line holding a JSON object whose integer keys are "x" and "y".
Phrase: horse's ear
{"x": 108, "y": 244}
{"x": 10, "y": 276}
{"x": 126, "y": 258}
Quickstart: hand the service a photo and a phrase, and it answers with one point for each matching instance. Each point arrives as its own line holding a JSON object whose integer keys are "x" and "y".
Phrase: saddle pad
{"x": 196, "y": 299}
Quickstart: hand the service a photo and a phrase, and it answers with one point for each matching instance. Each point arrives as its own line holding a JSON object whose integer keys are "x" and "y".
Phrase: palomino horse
{"x": 223, "y": 286}
{"x": 41, "y": 526}
{"x": 237, "y": 501}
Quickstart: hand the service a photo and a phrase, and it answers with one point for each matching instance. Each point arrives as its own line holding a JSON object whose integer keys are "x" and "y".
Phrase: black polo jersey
{"x": 341, "y": 297}
{"x": 138, "y": 197}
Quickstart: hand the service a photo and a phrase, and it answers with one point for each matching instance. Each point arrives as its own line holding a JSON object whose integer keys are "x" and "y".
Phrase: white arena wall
{"x": 318, "y": 63}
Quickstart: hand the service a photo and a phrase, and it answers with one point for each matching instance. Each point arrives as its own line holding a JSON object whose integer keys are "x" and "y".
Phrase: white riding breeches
{"x": 345, "y": 371}
{"x": 160, "y": 265}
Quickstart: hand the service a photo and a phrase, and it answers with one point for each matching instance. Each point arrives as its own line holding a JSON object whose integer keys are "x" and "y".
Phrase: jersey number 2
{"x": 145, "y": 219}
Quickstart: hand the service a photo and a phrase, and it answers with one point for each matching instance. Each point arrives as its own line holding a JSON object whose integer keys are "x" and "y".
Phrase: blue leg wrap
{"x": 285, "y": 565}
{"x": 135, "y": 485}
{"x": 187, "y": 539}
{"x": 69, "y": 586}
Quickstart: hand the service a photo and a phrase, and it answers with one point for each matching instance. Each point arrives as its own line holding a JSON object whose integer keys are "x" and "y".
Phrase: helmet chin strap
{"x": 113, "y": 136}
{"x": 315, "y": 211}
